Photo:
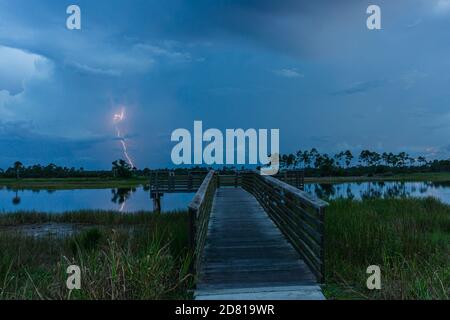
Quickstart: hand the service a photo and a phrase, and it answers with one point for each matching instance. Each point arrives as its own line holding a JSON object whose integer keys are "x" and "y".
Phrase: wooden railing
{"x": 295, "y": 178}
{"x": 298, "y": 215}
{"x": 199, "y": 215}
{"x": 168, "y": 181}
{"x": 229, "y": 180}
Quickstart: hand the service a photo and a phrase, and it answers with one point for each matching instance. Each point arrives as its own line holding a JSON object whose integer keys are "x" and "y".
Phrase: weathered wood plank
{"x": 247, "y": 257}
{"x": 265, "y": 293}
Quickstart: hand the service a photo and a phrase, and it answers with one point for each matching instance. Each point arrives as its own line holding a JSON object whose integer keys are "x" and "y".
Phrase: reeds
{"x": 408, "y": 238}
{"x": 139, "y": 256}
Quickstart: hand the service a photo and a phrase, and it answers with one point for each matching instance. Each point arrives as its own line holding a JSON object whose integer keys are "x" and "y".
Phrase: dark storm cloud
{"x": 287, "y": 26}
{"x": 305, "y": 67}
{"x": 20, "y": 141}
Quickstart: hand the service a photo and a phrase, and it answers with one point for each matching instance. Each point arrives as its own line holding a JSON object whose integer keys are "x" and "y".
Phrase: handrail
{"x": 303, "y": 196}
{"x": 199, "y": 214}
{"x": 297, "y": 214}
{"x": 169, "y": 181}
{"x": 190, "y": 181}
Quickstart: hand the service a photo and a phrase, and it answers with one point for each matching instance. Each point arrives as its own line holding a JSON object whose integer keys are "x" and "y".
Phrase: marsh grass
{"x": 71, "y": 183}
{"x": 145, "y": 256}
{"x": 408, "y": 238}
{"x": 121, "y": 256}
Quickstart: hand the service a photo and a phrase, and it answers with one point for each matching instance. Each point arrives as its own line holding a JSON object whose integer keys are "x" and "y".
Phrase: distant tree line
{"x": 120, "y": 169}
{"x": 314, "y": 163}
{"x": 366, "y": 162}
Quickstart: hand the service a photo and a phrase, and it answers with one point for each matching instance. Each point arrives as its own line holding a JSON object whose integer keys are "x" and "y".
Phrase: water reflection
{"x": 138, "y": 199}
{"x": 118, "y": 199}
{"x": 121, "y": 195}
{"x": 370, "y": 190}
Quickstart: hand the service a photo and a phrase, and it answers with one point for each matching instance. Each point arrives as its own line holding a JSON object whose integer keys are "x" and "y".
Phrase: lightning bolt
{"x": 118, "y": 118}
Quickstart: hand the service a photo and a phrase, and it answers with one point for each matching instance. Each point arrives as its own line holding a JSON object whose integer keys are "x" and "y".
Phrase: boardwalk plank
{"x": 247, "y": 257}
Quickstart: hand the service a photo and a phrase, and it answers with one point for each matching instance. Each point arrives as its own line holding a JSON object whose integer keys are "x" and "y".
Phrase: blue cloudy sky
{"x": 310, "y": 68}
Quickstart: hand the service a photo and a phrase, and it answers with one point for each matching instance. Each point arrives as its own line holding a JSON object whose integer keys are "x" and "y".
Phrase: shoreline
{"x": 109, "y": 183}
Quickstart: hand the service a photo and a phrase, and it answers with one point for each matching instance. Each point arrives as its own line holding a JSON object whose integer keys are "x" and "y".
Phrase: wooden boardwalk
{"x": 246, "y": 257}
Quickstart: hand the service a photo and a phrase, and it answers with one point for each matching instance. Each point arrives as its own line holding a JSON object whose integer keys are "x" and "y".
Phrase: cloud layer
{"x": 18, "y": 66}
{"x": 309, "y": 68}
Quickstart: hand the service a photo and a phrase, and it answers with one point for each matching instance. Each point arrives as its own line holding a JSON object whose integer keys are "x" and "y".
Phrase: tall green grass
{"x": 145, "y": 256}
{"x": 408, "y": 238}
{"x": 121, "y": 256}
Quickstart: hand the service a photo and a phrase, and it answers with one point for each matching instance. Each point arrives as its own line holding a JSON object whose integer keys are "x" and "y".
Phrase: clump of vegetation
{"x": 128, "y": 257}
{"x": 408, "y": 238}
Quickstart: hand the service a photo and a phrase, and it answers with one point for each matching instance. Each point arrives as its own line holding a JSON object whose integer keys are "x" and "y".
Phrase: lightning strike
{"x": 118, "y": 118}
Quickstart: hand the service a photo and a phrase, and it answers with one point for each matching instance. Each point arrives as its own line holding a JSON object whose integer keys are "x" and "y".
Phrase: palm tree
{"x": 402, "y": 158}
{"x": 348, "y": 158}
{"x": 338, "y": 157}
{"x": 305, "y": 158}
{"x": 364, "y": 157}
{"x": 390, "y": 159}
{"x": 314, "y": 155}
{"x": 290, "y": 160}
{"x": 18, "y": 166}
{"x": 375, "y": 158}
{"x": 298, "y": 157}
{"x": 422, "y": 160}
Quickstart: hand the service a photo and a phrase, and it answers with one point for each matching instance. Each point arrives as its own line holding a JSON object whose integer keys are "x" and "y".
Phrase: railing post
{"x": 189, "y": 181}
{"x": 302, "y": 183}
{"x": 322, "y": 244}
{"x": 253, "y": 181}
{"x": 192, "y": 236}
{"x": 171, "y": 181}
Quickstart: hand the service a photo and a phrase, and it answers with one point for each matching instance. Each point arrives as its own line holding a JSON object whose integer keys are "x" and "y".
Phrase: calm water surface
{"x": 124, "y": 200}
{"x": 137, "y": 199}
{"x": 364, "y": 190}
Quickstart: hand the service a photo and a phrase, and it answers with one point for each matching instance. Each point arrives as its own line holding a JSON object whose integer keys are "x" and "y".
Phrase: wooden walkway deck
{"x": 246, "y": 257}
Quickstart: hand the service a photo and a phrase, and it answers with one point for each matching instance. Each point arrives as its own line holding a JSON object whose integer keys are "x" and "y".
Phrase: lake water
{"x": 123, "y": 199}
{"x": 137, "y": 199}
{"x": 440, "y": 190}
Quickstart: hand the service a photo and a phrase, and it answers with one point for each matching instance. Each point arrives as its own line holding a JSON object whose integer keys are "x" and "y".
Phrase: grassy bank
{"x": 142, "y": 256}
{"x": 72, "y": 183}
{"x": 408, "y": 238}
{"x": 106, "y": 183}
